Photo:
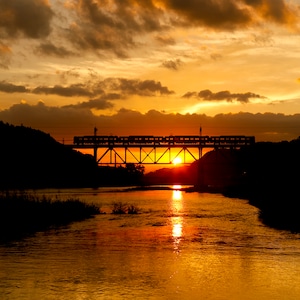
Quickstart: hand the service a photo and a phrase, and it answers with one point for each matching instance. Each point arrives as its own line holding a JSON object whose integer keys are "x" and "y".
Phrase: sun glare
{"x": 177, "y": 160}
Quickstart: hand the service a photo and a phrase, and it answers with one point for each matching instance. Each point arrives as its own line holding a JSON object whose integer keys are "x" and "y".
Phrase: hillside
{"x": 30, "y": 158}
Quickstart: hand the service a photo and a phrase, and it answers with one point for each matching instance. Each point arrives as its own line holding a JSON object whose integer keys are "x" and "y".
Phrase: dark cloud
{"x": 66, "y": 122}
{"x": 190, "y": 95}
{"x": 172, "y": 64}
{"x": 111, "y": 25}
{"x": 117, "y": 27}
{"x": 99, "y": 104}
{"x": 208, "y": 95}
{"x": 54, "y": 120}
{"x": 215, "y": 14}
{"x": 108, "y": 89}
{"x": 278, "y": 11}
{"x": 134, "y": 87}
{"x": 143, "y": 88}
{"x": 7, "y": 87}
{"x": 32, "y": 18}
{"x": 233, "y": 14}
{"x": 52, "y": 50}
{"x": 79, "y": 90}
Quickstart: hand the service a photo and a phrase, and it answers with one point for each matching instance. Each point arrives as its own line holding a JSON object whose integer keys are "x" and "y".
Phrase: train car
{"x": 141, "y": 139}
{"x": 123, "y": 140}
{"x": 158, "y": 140}
{"x": 179, "y": 140}
{"x": 250, "y": 140}
{"x": 77, "y": 140}
{"x": 203, "y": 139}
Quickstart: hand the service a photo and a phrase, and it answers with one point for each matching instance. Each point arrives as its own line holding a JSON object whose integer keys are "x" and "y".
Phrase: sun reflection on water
{"x": 177, "y": 195}
{"x": 177, "y": 221}
{"x": 177, "y": 227}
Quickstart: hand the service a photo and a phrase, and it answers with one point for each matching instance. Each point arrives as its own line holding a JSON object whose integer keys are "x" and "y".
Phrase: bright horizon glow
{"x": 177, "y": 161}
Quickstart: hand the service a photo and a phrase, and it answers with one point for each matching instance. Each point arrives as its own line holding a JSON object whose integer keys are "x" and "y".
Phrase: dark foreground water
{"x": 180, "y": 246}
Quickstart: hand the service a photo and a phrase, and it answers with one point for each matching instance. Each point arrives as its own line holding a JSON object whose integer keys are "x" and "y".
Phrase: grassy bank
{"x": 22, "y": 213}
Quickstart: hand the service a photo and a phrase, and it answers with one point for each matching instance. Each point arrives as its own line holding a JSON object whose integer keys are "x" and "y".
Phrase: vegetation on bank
{"x": 273, "y": 182}
{"x": 22, "y": 214}
{"x": 267, "y": 174}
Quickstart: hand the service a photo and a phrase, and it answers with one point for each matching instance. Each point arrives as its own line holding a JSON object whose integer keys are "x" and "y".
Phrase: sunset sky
{"x": 155, "y": 67}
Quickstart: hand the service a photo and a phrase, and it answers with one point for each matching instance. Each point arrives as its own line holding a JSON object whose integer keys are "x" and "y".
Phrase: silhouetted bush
{"x": 132, "y": 209}
{"x": 119, "y": 208}
{"x": 123, "y": 208}
{"x": 22, "y": 213}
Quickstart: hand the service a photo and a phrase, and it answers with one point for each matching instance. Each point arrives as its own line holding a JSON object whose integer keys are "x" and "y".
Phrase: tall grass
{"x": 23, "y": 213}
{"x": 123, "y": 208}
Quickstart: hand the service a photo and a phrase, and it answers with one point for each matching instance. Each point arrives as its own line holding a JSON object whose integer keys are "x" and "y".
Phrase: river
{"x": 179, "y": 246}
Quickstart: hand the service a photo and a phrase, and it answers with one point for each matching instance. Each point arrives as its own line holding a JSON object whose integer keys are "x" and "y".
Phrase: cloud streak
{"x": 7, "y": 87}
{"x": 207, "y": 95}
{"x": 122, "y": 85}
{"x": 49, "y": 49}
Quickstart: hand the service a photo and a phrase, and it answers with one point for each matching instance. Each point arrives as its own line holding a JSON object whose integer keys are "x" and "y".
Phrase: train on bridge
{"x": 176, "y": 140}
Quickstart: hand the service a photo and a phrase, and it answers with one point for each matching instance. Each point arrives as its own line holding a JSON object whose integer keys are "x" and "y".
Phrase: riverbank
{"x": 22, "y": 214}
{"x": 278, "y": 205}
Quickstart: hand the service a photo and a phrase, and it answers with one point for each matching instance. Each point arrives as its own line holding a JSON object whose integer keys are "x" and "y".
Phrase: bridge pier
{"x": 95, "y": 153}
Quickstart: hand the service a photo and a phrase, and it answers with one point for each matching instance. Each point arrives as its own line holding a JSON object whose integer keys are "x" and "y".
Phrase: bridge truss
{"x": 118, "y": 150}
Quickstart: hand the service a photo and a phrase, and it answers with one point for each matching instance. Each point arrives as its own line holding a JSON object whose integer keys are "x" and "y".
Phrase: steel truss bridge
{"x": 146, "y": 149}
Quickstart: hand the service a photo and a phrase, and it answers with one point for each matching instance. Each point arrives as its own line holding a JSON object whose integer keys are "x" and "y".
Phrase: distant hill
{"x": 176, "y": 175}
{"x": 216, "y": 169}
{"x": 30, "y": 158}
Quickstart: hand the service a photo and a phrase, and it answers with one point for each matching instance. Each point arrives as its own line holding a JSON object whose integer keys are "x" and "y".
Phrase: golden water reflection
{"x": 177, "y": 220}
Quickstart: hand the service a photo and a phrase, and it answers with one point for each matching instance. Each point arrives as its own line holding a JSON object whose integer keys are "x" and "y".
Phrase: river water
{"x": 180, "y": 246}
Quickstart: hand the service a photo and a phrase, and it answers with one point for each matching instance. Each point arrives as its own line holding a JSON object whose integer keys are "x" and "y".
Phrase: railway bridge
{"x": 148, "y": 149}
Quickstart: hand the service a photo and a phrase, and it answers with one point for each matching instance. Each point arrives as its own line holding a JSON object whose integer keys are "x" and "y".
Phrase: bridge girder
{"x": 146, "y": 155}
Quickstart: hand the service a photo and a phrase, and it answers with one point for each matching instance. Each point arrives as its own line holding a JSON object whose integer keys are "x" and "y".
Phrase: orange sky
{"x": 151, "y": 67}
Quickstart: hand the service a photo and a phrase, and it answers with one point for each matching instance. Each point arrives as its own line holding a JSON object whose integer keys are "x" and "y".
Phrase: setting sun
{"x": 177, "y": 160}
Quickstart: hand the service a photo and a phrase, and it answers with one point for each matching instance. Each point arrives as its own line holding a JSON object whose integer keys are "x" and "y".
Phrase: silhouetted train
{"x": 149, "y": 140}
